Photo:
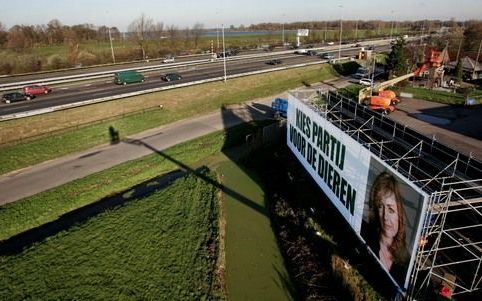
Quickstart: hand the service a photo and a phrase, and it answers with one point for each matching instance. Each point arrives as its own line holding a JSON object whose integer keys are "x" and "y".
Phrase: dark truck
{"x": 127, "y": 77}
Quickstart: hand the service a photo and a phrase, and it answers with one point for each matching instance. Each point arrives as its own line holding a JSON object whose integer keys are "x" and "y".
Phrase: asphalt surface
{"x": 458, "y": 127}
{"x": 35, "y": 179}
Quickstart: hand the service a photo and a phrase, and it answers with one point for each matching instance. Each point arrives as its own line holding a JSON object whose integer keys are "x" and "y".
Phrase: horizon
{"x": 213, "y": 13}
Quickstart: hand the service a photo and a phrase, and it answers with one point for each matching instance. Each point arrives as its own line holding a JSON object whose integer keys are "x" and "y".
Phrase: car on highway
{"x": 311, "y": 52}
{"x": 300, "y": 51}
{"x": 168, "y": 60}
{"x": 168, "y": 77}
{"x": 36, "y": 90}
{"x": 358, "y": 45}
{"x": 365, "y": 81}
{"x": 331, "y": 43}
{"x": 327, "y": 56}
{"x": 274, "y": 62}
{"x": 16, "y": 96}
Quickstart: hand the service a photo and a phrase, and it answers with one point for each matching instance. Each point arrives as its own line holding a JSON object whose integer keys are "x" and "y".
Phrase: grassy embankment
{"x": 60, "y": 133}
{"x": 442, "y": 96}
{"x": 49, "y": 205}
{"x": 161, "y": 247}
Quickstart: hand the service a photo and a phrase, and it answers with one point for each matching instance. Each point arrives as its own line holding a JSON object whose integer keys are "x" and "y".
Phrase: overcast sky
{"x": 185, "y": 13}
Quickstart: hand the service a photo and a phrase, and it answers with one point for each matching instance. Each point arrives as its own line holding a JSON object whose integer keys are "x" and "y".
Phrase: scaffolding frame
{"x": 450, "y": 249}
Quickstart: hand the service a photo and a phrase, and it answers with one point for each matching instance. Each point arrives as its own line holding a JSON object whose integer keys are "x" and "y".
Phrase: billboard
{"x": 383, "y": 208}
{"x": 303, "y": 32}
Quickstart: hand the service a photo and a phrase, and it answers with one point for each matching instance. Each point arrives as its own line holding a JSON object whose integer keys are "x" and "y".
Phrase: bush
{"x": 27, "y": 63}
{"x": 56, "y": 61}
{"x": 87, "y": 58}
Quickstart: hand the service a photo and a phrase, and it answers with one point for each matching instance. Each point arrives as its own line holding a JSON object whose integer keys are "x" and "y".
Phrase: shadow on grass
{"x": 17, "y": 243}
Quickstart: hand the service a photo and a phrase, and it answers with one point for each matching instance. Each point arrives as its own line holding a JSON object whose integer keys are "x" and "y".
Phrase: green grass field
{"x": 161, "y": 247}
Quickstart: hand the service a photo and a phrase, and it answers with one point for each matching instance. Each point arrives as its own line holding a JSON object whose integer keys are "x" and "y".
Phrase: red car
{"x": 36, "y": 90}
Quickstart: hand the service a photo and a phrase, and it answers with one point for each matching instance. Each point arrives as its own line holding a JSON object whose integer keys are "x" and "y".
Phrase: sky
{"x": 211, "y": 13}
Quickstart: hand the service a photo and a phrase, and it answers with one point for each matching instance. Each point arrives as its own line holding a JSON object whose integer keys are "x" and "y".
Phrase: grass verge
{"x": 49, "y": 205}
{"x": 161, "y": 247}
{"x": 439, "y": 96}
{"x": 72, "y": 130}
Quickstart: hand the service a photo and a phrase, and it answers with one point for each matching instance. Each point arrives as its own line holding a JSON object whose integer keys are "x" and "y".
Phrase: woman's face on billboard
{"x": 388, "y": 214}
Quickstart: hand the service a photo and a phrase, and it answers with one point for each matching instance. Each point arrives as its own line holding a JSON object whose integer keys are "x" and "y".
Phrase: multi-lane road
{"x": 191, "y": 68}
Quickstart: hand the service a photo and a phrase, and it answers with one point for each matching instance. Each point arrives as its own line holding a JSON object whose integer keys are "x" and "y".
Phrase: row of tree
{"x": 144, "y": 28}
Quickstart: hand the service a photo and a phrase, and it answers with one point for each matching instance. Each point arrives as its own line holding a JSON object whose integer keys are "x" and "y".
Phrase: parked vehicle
{"x": 365, "y": 82}
{"x": 128, "y": 77}
{"x": 280, "y": 107}
{"x": 361, "y": 72}
{"x": 274, "y": 62}
{"x": 36, "y": 90}
{"x": 168, "y": 60}
{"x": 16, "y": 96}
{"x": 171, "y": 77}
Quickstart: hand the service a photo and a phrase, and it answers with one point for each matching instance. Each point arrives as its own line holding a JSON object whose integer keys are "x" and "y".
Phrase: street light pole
{"x": 356, "y": 31}
{"x": 224, "y": 56}
{"x": 283, "y": 34}
{"x": 476, "y": 60}
{"x": 217, "y": 37}
{"x": 341, "y": 31}
{"x": 391, "y": 27}
{"x": 111, "y": 47}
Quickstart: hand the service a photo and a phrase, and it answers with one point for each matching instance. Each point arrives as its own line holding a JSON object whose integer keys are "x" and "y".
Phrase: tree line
{"x": 87, "y": 44}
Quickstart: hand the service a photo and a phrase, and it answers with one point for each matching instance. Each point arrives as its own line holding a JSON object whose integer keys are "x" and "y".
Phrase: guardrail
{"x": 153, "y": 90}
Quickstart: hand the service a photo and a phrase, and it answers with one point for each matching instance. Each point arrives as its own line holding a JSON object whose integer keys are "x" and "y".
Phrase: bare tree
{"x": 197, "y": 31}
{"x": 3, "y": 34}
{"x": 17, "y": 39}
{"x": 55, "y": 32}
{"x": 141, "y": 29}
{"x": 157, "y": 33}
{"x": 172, "y": 33}
{"x": 187, "y": 36}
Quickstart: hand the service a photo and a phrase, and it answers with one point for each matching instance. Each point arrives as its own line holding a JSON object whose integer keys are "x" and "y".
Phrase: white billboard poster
{"x": 303, "y": 32}
{"x": 383, "y": 208}
{"x": 337, "y": 163}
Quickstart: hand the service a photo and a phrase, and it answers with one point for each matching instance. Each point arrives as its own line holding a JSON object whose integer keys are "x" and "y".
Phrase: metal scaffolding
{"x": 450, "y": 250}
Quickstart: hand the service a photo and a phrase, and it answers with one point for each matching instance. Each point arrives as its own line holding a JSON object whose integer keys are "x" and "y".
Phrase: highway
{"x": 82, "y": 91}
